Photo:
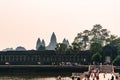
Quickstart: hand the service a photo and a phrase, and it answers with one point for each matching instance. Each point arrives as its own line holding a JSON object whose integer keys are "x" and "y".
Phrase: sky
{"x": 23, "y": 21}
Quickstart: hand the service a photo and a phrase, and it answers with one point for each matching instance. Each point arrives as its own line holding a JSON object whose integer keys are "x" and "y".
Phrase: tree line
{"x": 97, "y": 40}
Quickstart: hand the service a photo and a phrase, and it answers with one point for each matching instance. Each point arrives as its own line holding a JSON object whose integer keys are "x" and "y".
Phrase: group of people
{"x": 78, "y": 78}
{"x": 113, "y": 77}
{"x": 93, "y": 73}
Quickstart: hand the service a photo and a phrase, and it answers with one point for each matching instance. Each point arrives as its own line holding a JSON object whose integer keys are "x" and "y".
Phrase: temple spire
{"x": 38, "y": 44}
{"x": 53, "y": 42}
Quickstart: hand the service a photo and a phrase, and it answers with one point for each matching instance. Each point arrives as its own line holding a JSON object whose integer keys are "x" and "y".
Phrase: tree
{"x": 95, "y": 32}
{"x": 96, "y": 35}
{"x": 99, "y": 34}
{"x": 61, "y": 48}
{"x": 76, "y": 47}
{"x": 116, "y": 61}
{"x": 104, "y": 36}
{"x": 83, "y": 39}
{"x": 111, "y": 38}
{"x": 85, "y": 36}
{"x": 109, "y": 50}
{"x": 116, "y": 43}
{"x": 96, "y": 57}
{"x": 96, "y": 47}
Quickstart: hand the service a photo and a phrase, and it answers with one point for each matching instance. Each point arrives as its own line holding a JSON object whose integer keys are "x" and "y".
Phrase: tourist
{"x": 97, "y": 77}
{"x": 72, "y": 77}
{"x": 78, "y": 78}
{"x": 112, "y": 78}
{"x": 116, "y": 77}
{"x": 59, "y": 78}
{"x": 104, "y": 75}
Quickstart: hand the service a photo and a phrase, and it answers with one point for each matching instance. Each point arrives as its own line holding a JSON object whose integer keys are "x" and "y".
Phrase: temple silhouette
{"x": 52, "y": 44}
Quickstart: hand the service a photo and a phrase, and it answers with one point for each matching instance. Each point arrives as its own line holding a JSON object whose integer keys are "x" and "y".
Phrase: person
{"x": 112, "y": 78}
{"x": 104, "y": 75}
{"x": 78, "y": 78}
{"x": 72, "y": 77}
{"x": 116, "y": 77}
{"x": 59, "y": 78}
{"x": 97, "y": 77}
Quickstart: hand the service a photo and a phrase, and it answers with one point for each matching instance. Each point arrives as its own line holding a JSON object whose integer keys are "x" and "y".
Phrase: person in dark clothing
{"x": 78, "y": 78}
{"x": 112, "y": 78}
{"x": 72, "y": 77}
{"x": 116, "y": 77}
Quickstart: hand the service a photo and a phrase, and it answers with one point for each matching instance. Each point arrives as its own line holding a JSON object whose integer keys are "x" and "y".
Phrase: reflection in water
{"x": 33, "y": 76}
{"x": 45, "y": 78}
{"x": 17, "y": 78}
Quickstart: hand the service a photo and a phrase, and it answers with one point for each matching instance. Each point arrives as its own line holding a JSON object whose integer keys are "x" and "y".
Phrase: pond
{"x": 35, "y": 76}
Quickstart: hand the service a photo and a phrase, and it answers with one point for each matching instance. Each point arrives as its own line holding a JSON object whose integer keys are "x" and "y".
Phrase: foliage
{"x": 96, "y": 57}
{"x": 96, "y": 47}
{"x": 116, "y": 61}
{"x": 61, "y": 48}
{"x": 111, "y": 38}
{"x": 99, "y": 34}
{"x": 76, "y": 47}
{"x": 116, "y": 43}
{"x": 83, "y": 39}
{"x": 110, "y": 50}
{"x": 96, "y": 35}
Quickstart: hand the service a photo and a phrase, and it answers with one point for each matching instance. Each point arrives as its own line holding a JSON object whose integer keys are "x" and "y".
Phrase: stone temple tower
{"x": 38, "y": 43}
{"x": 53, "y": 42}
{"x": 66, "y": 42}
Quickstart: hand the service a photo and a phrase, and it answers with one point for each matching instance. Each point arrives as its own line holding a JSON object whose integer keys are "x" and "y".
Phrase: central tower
{"x": 53, "y": 42}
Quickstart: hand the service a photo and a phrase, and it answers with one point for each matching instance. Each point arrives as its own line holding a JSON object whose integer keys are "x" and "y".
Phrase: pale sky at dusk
{"x": 23, "y": 21}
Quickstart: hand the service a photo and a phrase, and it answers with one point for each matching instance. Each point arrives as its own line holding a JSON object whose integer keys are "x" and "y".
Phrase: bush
{"x": 116, "y": 61}
{"x": 96, "y": 58}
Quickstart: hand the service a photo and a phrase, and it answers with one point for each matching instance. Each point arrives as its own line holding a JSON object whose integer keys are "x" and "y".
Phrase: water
{"x": 35, "y": 76}
{"x": 18, "y": 78}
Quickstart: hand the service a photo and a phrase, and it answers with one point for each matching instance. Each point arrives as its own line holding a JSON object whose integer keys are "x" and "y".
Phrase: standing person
{"x": 97, "y": 76}
{"x": 104, "y": 75}
{"x": 59, "y": 78}
{"x": 78, "y": 78}
{"x": 112, "y": 78}
{"x": 116, "y": 77}
{"x": 72, "y": 77}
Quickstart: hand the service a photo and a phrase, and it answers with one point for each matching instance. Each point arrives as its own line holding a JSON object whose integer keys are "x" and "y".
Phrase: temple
{"x": 40, "y": 43}
{"x": 53, "y": 42}
{"x": 66, "y": 42}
